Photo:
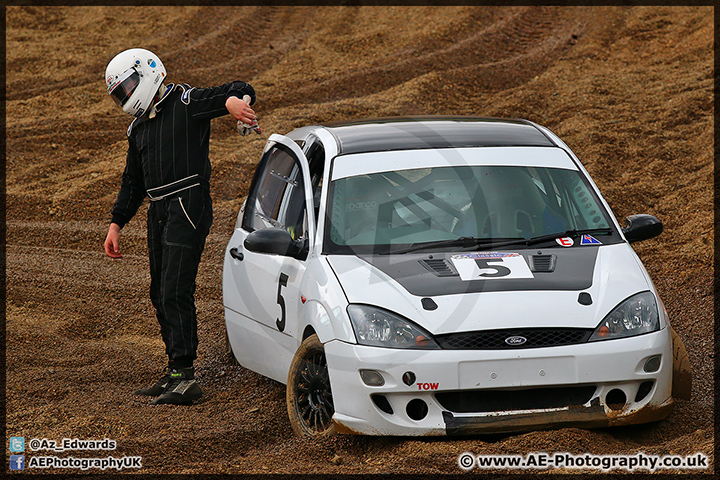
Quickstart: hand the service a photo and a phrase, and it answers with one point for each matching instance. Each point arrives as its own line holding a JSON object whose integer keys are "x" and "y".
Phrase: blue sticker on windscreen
{"x": 589, "y": 240}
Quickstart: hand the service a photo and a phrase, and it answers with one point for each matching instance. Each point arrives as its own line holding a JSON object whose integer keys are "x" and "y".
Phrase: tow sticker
{"x": 428, "y": 386}
{"x": 565, "y": 241}
{"x": 589, "y": 240}
{"x": 491, "y": 266}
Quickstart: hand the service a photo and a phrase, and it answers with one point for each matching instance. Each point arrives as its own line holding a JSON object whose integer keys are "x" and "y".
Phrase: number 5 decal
{"x": 490, "y": 266}
{"x": 280, "y": 322}
{"x": 500, "y": 271}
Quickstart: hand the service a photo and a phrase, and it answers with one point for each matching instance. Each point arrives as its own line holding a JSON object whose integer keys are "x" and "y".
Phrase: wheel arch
{"x": 316, "y": 321}
{"x": 309, "y": 330}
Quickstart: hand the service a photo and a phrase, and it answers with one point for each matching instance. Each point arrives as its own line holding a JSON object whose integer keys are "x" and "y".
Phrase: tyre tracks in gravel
{"x": 62, "y": 267}
{"x": 481, "y": 53}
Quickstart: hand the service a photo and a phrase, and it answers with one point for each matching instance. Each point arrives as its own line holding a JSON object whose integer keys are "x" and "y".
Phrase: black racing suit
{"x": 168, "y": 161}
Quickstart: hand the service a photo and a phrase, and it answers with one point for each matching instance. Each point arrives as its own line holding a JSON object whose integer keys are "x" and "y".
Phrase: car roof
{"x": 410, "y": 133}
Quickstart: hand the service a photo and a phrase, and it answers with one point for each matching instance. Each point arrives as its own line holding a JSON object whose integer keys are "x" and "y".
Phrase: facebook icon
{"x": 17, "y": 462}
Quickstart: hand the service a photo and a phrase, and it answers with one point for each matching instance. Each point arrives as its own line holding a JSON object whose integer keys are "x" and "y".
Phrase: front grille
{"x": 481, "y": 401}
{"x": 498, "y": 339}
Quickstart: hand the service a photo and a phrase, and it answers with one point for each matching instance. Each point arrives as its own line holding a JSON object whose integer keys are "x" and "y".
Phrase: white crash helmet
{"x": 133, "y": 78}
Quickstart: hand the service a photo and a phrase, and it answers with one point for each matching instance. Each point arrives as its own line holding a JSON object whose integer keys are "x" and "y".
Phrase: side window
{"x": 292, "y": 215}
{"x": 276, "y": 189}
{"x": 315, "y": 154}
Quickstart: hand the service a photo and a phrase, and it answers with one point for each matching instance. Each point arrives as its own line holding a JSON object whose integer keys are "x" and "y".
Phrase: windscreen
{"x": 405, "y": 207}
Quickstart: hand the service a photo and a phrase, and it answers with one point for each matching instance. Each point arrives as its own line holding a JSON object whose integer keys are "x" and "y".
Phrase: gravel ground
{"x": 629, "y": 89}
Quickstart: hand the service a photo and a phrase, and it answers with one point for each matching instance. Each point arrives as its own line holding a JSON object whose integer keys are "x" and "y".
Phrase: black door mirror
{"x": 275, "y": 241}
{"x": 642, "y": 227}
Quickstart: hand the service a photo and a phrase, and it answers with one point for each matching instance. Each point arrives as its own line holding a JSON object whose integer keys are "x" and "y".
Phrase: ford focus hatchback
{"x": 445, "y": 276}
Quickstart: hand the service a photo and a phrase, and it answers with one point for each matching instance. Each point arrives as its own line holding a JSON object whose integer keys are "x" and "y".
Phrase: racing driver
{"x": 167, "y": 161}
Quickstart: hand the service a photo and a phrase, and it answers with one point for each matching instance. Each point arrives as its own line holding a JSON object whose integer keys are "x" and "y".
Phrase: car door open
{"x": 266, "y": 255}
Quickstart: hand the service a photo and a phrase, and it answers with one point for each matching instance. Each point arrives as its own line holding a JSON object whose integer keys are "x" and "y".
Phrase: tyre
{"x": 229, "y": 354}
{"x": 682, "y": 373}
{"x": 309, "y": 396}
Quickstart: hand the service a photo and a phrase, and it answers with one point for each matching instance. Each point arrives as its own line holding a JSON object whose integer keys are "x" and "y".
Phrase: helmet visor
{"x": 121, "y": 90}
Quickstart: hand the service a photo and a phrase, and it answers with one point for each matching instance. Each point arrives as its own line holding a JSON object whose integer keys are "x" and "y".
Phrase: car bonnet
{"x": 608, "y": 274}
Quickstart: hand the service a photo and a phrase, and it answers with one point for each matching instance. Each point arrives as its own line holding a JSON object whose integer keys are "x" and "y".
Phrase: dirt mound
{"x": 629, "y": 89}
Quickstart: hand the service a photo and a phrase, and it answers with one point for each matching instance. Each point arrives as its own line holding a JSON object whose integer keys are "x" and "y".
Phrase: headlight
{"x": 379, "y": 328}
{"x": 635, "y": 316}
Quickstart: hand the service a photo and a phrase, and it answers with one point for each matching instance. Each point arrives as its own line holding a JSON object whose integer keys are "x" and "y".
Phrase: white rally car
{"x": 444, "y": 276}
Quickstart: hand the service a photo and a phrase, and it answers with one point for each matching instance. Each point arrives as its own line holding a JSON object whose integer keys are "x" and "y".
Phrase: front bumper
{"x": 458, "y": 392}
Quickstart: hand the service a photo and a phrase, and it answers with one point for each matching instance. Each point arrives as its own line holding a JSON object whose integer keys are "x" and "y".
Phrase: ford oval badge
{"x": 516, "y": 340}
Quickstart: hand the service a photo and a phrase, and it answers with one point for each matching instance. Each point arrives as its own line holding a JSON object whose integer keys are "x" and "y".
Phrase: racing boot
{"x": 158, "y": 388}
{"x": 182, "y": 388}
